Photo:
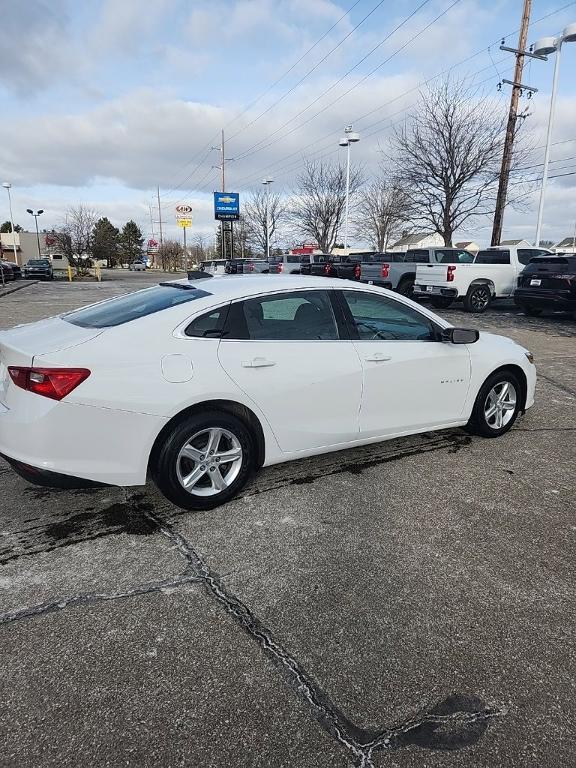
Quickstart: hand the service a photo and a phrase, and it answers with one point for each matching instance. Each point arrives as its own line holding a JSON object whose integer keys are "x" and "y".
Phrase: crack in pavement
{"x": 97, "y": 597}
{"x": 557, "y": 384}
{"x": 454, "y": 723}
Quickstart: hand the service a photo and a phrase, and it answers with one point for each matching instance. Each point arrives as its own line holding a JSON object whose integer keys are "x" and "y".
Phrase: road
{"x": 408, "y": 604}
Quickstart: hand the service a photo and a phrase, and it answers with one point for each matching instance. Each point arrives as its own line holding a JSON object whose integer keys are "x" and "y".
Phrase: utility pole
{"x": 517, "y": 86}
{"x": 160, "y": 216}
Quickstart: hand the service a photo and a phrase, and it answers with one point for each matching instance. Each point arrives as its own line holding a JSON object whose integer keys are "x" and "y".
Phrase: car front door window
{"x": 380, "y": 318}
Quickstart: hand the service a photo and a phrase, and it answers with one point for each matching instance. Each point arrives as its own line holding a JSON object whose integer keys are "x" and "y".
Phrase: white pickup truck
{"x": 492, "y": 275}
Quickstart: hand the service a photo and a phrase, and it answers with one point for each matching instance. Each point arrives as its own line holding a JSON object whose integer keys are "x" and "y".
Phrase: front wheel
{"x": 477, "y": 299}
{"x": 497, "y": 406}
{"x": 441, "y": 302}
{"x": 204, "y": 460}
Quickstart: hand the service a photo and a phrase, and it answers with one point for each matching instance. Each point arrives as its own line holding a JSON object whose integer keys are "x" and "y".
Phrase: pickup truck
{"x": 398, "y": 272}
{"x": 493, "y": 275}
{"x": 367, "y": 266}
{"x": 320, "y": 265}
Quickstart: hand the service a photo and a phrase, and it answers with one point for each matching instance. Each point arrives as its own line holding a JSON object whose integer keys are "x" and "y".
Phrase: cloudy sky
{"x": 103, "y": 101}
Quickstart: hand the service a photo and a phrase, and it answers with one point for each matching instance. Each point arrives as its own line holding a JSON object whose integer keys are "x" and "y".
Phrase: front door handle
{"x": 378, "y": 357}
{"x": 258, "y": 362}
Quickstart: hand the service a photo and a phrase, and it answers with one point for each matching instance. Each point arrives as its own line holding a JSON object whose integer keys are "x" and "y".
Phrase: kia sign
{"x": 183, "y": 211}
{"x": 226, "y": 206}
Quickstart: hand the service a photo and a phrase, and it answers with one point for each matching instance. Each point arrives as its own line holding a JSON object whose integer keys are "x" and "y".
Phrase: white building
{"x": 568, "y": 245}
{"x": 417, "y": 240}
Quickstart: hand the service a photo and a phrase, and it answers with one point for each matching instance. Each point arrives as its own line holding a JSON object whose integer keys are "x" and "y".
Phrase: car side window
{"x": 293, "y": 316}
{"x": 525, "y": 254}
{"x": 380, "y": 318}
{"x": 209, "y": 324}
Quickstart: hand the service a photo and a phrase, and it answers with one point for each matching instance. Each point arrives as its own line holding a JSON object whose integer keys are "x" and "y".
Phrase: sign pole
{"x": 185, "y": 249}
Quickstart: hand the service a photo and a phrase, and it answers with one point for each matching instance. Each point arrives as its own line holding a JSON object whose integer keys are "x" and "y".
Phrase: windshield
{"x": 123, "y": 309}
{"x": 38, "y": 263}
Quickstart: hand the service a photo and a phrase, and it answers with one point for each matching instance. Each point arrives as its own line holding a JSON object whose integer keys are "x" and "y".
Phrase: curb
{"x": 11, "y": 289}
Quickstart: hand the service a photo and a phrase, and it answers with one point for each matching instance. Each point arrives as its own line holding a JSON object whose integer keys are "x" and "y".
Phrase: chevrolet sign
{"x": 226, "y": 206}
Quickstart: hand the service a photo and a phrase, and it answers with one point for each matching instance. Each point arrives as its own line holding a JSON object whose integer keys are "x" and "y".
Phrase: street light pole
{"x": 349, "y": 138}
{"x": 267, "y": 183}
{"x": 7, "y": 187}
{"x": 38, "y": 213}
{"x": 544, "y": 47}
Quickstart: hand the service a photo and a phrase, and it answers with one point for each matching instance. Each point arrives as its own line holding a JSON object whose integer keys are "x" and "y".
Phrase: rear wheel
{"x": 406, "y": 288}
{"x": 477, "y": 299}
{"x": 204, "y": 460}
{"x": 497, "y": 405}
{"x": 441, "y": 302}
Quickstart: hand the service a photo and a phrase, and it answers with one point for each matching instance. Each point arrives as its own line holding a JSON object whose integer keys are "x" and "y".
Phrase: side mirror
{"x": 460, "y": 335}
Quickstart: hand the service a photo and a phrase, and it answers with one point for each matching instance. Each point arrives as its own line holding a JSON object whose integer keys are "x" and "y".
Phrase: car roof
{"x": 237, "y": 286}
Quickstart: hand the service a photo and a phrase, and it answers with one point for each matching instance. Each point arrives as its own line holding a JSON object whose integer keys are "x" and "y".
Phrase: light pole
{"x": 350, "y": 137}
{"x": 267, "y": 183}
{"x": 38, "y": 213}
{"x": 7, "y": 187}
{"x": 544, "y": 47}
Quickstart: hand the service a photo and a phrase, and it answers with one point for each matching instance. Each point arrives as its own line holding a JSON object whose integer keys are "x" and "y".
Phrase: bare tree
{"x": 319, "y": 200}
{"x": 382, "y": 212}
{"x": 75, "y": 236}
{"x": 255, "y": 218}
{"x": 171, "y": 256}
{"x": 448, "y": 157}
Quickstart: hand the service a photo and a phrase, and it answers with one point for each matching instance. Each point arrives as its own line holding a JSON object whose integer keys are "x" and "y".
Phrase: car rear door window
{"x": 208, "y": 325}
{"x": 378, "y": 317}
{"x": 293, "y": 316}
{"x": 495, "y": 256}
{"x": 525, "y": 254}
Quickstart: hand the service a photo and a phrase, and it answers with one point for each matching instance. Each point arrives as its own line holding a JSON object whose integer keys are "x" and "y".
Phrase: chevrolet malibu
{"x": 199, "y": 382}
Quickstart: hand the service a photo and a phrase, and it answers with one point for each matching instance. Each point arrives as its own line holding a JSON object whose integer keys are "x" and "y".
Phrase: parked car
{"x": 240, "y": 372}
{"x": 548, "y": 283}
{"x": 246, "y": 266}
{"x": 399, "y": 273}
{"x": 9, "y": 271}
{"x": 287, "y": 264}
{"x": 493, "y": 275}
{"x": 39, "y": 269}
{"x": 214, "y": 266}
{"x": 138, "y": 266}
{"x": 353, "y": 266}
{"x": 318, "y": 264}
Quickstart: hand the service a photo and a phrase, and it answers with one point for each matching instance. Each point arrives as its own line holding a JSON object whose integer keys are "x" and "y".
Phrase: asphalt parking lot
{"x": 407, "y": 604}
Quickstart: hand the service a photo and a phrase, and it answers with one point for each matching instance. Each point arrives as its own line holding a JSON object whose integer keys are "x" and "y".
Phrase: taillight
{"x": 54, "y": 383}
{"x": 327, "y": 270}
{"x": 250, "y": 267}
{"x": 450, "y": 274}
{"x": 281, "y": 267}
{"x": 357, "y": 272}
{"x": 385, "y": 271}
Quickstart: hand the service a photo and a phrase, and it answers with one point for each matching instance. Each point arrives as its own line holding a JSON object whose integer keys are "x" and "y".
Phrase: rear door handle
{"x": 378, "y": 357}
{"x": 258, "y": 362}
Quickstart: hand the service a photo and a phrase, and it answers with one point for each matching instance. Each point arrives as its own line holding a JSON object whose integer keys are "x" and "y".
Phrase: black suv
{"x": 547, "y": 282}
{"x": 40, "y": 268}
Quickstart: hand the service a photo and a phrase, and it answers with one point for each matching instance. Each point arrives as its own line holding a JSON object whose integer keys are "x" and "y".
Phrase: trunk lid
{"x": 551, "y": 273}
{"x": 20, "y": 345}
{"x": 432, "y": 274}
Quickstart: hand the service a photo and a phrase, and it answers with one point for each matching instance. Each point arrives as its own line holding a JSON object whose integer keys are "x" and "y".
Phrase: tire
{"x": 532, "y": 311}
{"x": 406, "y": 288}
{"x": 195, "y": 433}
{"x": 477, "y": 299}
{"x": 488, "y": 426}
{"x": 441, "y": 302}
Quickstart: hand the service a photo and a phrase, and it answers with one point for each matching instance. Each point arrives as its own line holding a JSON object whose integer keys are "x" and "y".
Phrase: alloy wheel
{"x": 209, "y": 462}
{"x": 500, "y": 405}
{"x": 480, "y": 298}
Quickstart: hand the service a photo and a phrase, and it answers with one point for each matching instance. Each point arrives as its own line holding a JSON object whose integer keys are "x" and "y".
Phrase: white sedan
{"x": 199, "y": 382}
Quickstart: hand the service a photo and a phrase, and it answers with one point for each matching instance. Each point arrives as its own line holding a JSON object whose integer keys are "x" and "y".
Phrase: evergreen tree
{"x": 105, "y": 241}
{"x": 131, "y": 241}
{"x": 7, "y": 227}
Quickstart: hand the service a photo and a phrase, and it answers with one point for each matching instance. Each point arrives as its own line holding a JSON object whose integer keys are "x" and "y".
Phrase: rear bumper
{"x": 99, "y": 444}
{"x": 435, "y": 290}
{"x": 558, "y": 300}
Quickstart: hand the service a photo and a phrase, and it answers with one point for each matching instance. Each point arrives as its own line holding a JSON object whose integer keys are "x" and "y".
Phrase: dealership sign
{"x": 226, "y": 206}
{"x": 183, "y": 210}
{"x": 184, "y": 222}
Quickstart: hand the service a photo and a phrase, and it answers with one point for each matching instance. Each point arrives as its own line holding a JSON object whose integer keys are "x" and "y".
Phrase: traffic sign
{"x": 226, "y": 206}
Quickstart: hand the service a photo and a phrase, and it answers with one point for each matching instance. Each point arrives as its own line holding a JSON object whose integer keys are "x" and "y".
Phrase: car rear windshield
{"x": 568, "y": 263}
{"x": 123, "y": 309}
